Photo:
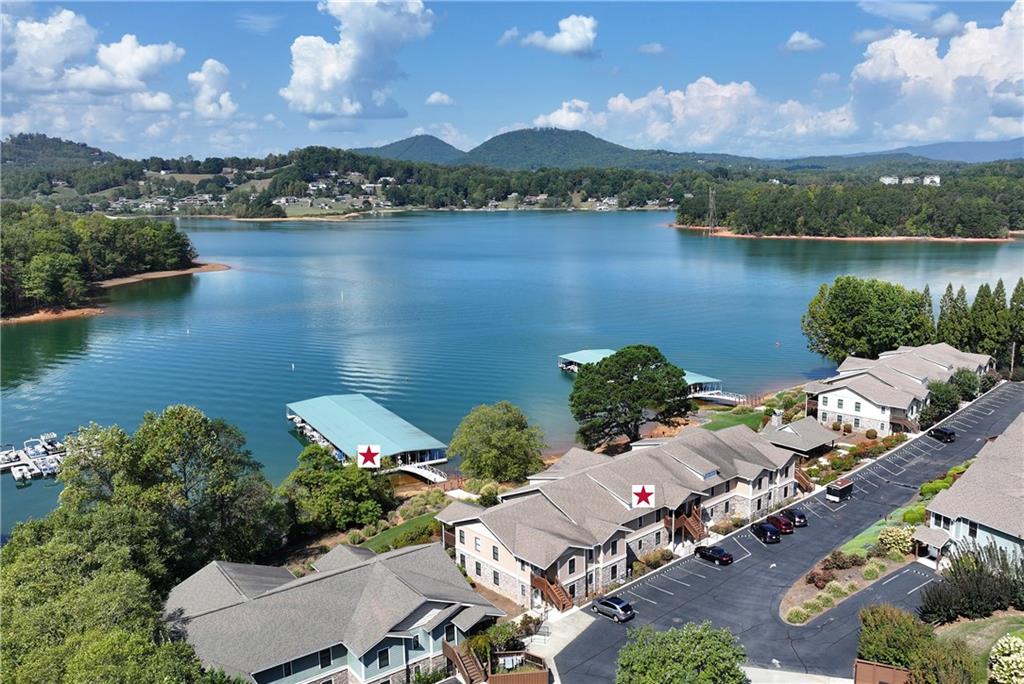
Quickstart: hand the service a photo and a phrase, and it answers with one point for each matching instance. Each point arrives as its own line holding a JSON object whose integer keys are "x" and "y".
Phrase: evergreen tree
{"x": 927, "y": 315}
{"x": 1015, "y": 313}
{"x": 987, "y": 335}
{"x": 1001, "y": 317}
{"x": 954, "y": 327}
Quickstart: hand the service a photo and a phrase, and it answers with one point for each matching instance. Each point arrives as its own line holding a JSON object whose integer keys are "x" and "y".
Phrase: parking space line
{"x": 866, "y": 481}
{"x": 920, "y": 586}
{"x": 628, "y": 591}
{"x": 693, "y": 573}
{"x": 891, "y": 472}
{"x": 737, "y": 560}
{"x": 655, "y": 586}
{"x": 895, "y": 576}
{"x": 673, "y": 579}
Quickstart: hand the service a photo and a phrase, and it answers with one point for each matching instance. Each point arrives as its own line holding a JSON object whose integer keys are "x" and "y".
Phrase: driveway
{"x": 745, "y": 596}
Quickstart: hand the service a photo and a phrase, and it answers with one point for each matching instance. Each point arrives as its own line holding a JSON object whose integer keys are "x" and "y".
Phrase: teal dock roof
{"x": 347, "y": 420}
{"x": 587, "y": 355}
{"x": 695, "y": 378}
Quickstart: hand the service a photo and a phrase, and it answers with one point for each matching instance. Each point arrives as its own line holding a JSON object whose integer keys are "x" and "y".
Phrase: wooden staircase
{"x": 802, "y": 480}
{"x": 694, "y": 525}
{"x": 553, "y": 592}
{"x": 465, "y": 662}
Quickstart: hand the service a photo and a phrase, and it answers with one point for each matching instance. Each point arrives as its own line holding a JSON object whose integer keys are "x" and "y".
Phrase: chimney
{"x": 776, "y": 418}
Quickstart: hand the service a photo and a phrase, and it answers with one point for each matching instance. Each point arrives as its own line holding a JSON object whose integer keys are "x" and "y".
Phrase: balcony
{"x": 517, "y": 667}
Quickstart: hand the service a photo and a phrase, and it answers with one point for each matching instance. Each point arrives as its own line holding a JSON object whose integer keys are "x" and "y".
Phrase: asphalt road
{"x": 745, "y": 596}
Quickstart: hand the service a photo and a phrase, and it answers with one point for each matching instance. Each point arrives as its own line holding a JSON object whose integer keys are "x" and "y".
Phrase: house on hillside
{"x": 360, "y": 619}
{"x": 889, "y": 180}
{"x": 931, "y": 180}
{"x": 887, "y": 394}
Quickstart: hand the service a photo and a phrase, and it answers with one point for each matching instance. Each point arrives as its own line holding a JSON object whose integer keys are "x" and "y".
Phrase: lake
{"x": 433, "y": 313}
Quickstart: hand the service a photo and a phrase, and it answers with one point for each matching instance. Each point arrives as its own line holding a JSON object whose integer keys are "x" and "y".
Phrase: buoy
{"x": 188, "y": 331}
{"x": 293, "y": 366}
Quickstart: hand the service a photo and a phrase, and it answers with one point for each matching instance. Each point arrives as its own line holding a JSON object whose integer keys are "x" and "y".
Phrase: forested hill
{"x": 38, "y": 151}
{"x": 422, "y": 148}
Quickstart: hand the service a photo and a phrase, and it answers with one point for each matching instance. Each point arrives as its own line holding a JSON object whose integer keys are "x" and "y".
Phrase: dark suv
{"x": 795, "y": 516}
{"x": 781, "y": 523}
{"x": 766, "y": 532}
{"x": 614, "y": 607}
{"x": 715, "y": 554}
{"x": 943, "y": 434}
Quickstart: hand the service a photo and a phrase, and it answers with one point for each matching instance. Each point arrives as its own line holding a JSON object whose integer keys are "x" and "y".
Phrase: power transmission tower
{"x": 712, "y": 213}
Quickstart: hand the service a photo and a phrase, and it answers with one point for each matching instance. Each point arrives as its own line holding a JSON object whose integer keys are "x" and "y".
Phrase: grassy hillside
{"x": 423, "y": 148}
{"x": 38, "y": 151}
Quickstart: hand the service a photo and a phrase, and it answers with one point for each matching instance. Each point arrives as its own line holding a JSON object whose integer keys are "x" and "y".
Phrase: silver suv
{"x": 614, "y": 607}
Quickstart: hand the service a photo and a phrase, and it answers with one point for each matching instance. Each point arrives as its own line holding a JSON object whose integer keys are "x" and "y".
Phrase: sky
{"x": 769, "y": 79}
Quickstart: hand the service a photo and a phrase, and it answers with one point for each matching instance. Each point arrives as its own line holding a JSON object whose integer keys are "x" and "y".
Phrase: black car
{"x": 943, "y": 434}
{"x": 614, "y": 607}
{"x": 797, "y": 516}
{"x": 766, "y": 532}
{"x": 715, "y": 554}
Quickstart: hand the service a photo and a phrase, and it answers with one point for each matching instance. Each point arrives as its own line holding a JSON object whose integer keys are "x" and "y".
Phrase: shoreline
{"x": 46, "y": 315}
{"x": 729, "y": 233}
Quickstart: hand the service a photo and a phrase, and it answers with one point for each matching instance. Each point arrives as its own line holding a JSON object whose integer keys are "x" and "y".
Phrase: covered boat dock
{"x": 340, "y": 422}
{"x": 571, "y": 362}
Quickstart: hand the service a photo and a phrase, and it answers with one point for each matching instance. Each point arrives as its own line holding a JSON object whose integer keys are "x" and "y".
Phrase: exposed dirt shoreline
{"x": 729, "y": 233}
{"x": 81, "y": 312}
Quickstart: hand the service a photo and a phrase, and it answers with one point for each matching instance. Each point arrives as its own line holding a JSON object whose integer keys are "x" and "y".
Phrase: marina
{"x": 38, "y": 457}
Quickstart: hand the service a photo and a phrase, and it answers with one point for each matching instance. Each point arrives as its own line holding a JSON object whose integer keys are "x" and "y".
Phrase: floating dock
{"x": 340, "y": 422}
{"x": 571, "y": 362}
{"x": 40, "y": 457}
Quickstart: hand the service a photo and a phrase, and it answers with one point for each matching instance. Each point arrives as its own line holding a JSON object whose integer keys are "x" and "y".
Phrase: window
{"x": 286, "y": 670}
{"x": 824, "y": 416}
{"x": 758, "y": 504}
{"x": 726, "y": 506}
{"x": 727, "y": 484}
{"x": 462, "y": 536}
{"x": 657, "y": 538}
{"x": 785, "y": 472}
{"x": 383, "y": 658}
{"x": 572, "y": 566}
{"x": 590, "y": 555}
{"x": 757, "y": 483}
{"x": 856, "y": 421}
{"x": 615, "y": 547}
{"x": 522, "y": 589}
{"x": 884, "y": 409}
{"x": 522, "y": 566}
{"x": 494, "y": 552}
{"x": 640, "y": 545}
{"x": 785, "y": 491}
{"x": 839, "y": 403}
{"x": 476, "y": 543}
{"x": 972, "y": 529}
{"x": 615, "y": 571}
{"x": 462, "y": 560}
{"x": 856, "y": 406}
{"x": 415, "y": 670}
{"x": 477, "y": 568}
{"x": 449, "y": 633}
{"x": 416, "y": 646}
{"x": 572, "y": 590}
{"x": 882, "y": 427}
{"x": 325, "y": 658}
{"x": 495, "y": 578}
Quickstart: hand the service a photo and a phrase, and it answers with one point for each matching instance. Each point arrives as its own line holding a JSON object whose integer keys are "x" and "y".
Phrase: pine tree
{"x": 1015, "y": 314}
{"x": 927, "y": 316}
{"x": 1001, "y": 331}
{"x": 943, "y": 330}
{"x": 984, "y": 322}
{"x": 954, "y": 326}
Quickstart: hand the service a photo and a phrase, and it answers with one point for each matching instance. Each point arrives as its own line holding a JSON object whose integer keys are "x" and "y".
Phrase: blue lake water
{"x": 432, "y": 314}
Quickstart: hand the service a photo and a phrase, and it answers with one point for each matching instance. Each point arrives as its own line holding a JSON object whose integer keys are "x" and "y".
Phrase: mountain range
{"x": 533, "y": 148}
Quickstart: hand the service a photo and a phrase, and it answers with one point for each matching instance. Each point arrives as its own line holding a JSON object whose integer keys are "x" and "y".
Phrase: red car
{"x": 783, "y": 525}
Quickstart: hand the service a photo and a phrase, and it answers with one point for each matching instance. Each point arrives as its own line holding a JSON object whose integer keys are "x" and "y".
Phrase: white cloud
{"x": 576, "y": 36}
{"x": 129, "y": 60}
{"x": 151, "y": 102}
{"x": 508, "y": 36}
{"x": 651, "y": 48}
{"x": 213, "y": 99}
{"x": 439, "y": 98}
{"x": 947, "y": 25}
{"x": 573, "y": 114}
{"x": 899, "y": 11}
{"x": 829, "y": 78}
{"x": 871, "y": 35}
{"x": 801, "y": 41}
{"x": 261, "y": 24}
{"x": 41, "y": 48}
{"x": 339, "y": 79}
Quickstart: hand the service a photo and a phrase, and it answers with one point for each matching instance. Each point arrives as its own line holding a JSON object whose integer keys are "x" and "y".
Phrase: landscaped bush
{"x": 977, "y": 582}
{"x": 896, "y": 556}
{"x": 837, "y": 426}
{"x": 871, "y": 433}
{"x": 930, "y": 489}
{"x": 915, "y": 515}
{"x": 741, "y": 410}
{"x": 639, "y": 569}
{"x": 891, "y": 636}
{"x": 894, "y": 439}
{"x": 852, "y": 587}
{"x": 946, "y": 661}
{"x": 847, "y": 428}
{"x": 900, "y": 538}
{"x": 723, "y": 527}
{"x": 1006, "y": 660}
{"x": 825, "y": 601}
{"x": 837, "y": 560}
{"x": 870, "y": 573}
{"x": 356, "y": 537}
{"x": 989, "y": 380}
{"x": 797, "y": 616}
{"x": 820, "y": 578}
{"x": 488, "y": 498}
{"x": 656, "y": 558}
{"x": 431, "y": 677}
{"x": 835, "y": 589}
{"x": 812, "y": 606}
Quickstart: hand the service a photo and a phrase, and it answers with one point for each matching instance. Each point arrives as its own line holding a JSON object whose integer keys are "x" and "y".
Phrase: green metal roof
{"x": 347, "y": 420}
{"x": 695, "y": 378}
{"x": 587, "y": 355}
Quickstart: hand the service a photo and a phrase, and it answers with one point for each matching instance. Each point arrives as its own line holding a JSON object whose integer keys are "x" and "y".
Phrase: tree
{"x": 325, "y": 494}
{"x": 954, "y": 326}
{"x": 927, "y": 314}
{"x": 990, "y": 333}
{"x": 945, "y": 662}
{"x": 943, "y": 399}
{"x": 891, "y": 636}
{"x": 496, "y": 442}
{"x": 1015, "y": 314}
{"x": 54, "y": 280}
{"x": 855, "y": 317}
{"x": 618, "y": 394}
{"x": 967, "y": 384}
{"x": 695, "y": 654}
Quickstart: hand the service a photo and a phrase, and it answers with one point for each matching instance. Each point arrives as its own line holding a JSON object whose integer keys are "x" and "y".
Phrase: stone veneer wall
{"x": 508, "y": 585}
{"x": 432, "y": 663}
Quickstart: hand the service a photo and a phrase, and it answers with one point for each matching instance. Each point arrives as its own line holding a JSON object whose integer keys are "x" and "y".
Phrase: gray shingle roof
{"x": 355, "y": 606}
{"x": 801, "y": 435}
{"x": 342, "y": 556}
{"x": 221, "y": 584}
{"x": 459, "y": 510}
{"x": 991, "y": 492}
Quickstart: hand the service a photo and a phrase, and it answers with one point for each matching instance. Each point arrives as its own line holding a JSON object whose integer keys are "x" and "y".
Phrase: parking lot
{"x": 745, "y": 596}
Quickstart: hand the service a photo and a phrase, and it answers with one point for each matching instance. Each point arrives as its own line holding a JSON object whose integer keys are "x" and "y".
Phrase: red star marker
{"x": 644, "y": 496}
{"x": 369, "y": 455}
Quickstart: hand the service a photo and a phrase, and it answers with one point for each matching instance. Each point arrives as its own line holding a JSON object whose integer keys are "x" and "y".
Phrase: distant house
{"x": 360, "y": 619}
{"x": 806, "y": 437}
{"x": 889, "y": 180}
{"x": 910, "y": 180}
{"x": 931, "y": 180}
{"x": 986, "y": 505}
{"x": 774, "y": 181}
{"x": 887, "y": 394}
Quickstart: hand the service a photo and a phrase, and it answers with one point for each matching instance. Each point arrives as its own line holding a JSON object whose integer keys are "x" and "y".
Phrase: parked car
{"x": 614, "y": 607}
{"x": 715, "y": 554}
{"x": 943, "y": 434}
{"x": 797, "y": 516}
{"x": 766, "y": 532}
{"x": 783, "y": 524}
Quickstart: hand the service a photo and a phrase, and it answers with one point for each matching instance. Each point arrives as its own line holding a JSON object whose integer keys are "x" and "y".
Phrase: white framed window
{"x": 615, "y": 571}
{"x": 462, "y": 536}
{"x": 572, "y": 565}
{"x": 449, "y": 633}
{"x": 476, "y": 543}
{"x": 824, "y": 400}
{"x": 494, "y": 552}
{"x": 496, "y": 578}
{"x": 856, "y": 406}
{"x": 383, "y": 658}
{"x": 856, "y": 421}
{"x": 824, "y": 416}
{"x": 839, "y": 403}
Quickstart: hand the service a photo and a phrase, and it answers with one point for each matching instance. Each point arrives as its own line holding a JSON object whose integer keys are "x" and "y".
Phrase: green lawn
{"x": 726, "y": 420}
{"x": 869, "y": 537}
{"x": 981, "y": 634}
{"x": 383, "y": 541}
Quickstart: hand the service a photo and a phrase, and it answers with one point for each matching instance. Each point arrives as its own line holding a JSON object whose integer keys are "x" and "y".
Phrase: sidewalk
{"x": 759, "y": 675}
{"x": 563, "y": 632}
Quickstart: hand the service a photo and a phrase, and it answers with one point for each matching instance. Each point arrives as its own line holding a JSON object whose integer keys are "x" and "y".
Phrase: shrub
{"x": 1006, "y": 660}
{"x": 930, "y": 489}
{"x": 837, "y": 426}
{"x": 852, "y": 587}
{"x": 977, "y": 582}
{"x": 488, "y": 499}
{"x": 835, "y": 589}
{"x": 473, "y": 485}
{"x": 877, "y": 551}
{"x": 639, "y": 569}
{"x": 837, "y": 560}
{"x": 529, "y": 624}
{"x": 871, "y": 433}
{"x": 356, "y": 537}
{"x": 847, "y": 428}
{"x": 741, "y": 410}
{"x": 724, "y": 527}
{"x": 870, "y": 573}
{"x": 820, "y": 578}
{"x": 896, "y": 556}
{"x": 899, "y": 538}
{"x": 812, "y": 606}
{"x": 797, "y": 616}
{"x": 914, "y": 515}
{"x": 656, "y": 558}
{"x": 945, "y": 662}
{"x": 966, "y": 383}
{"x": 891, "y": 636}
{"x": 989, "y": 380}
{"x": 894, "y": 439}
{"x": 825, "y": 600}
